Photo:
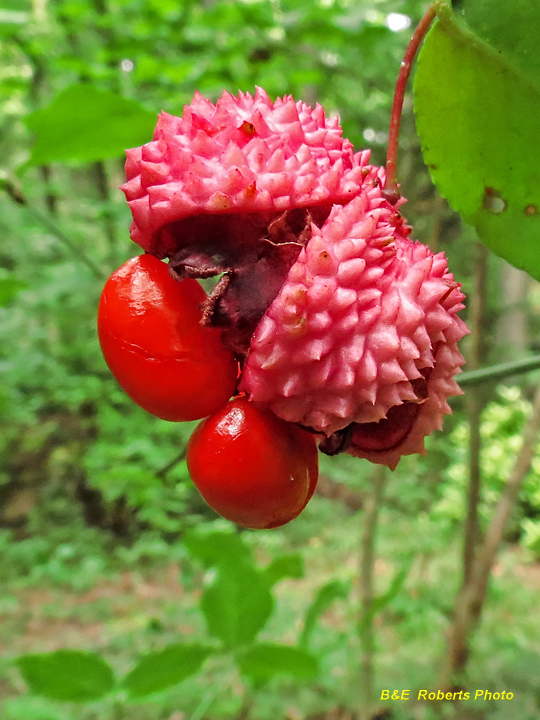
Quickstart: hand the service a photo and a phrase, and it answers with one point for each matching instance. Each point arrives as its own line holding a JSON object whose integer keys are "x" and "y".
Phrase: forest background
{"x": 105, "y": 546}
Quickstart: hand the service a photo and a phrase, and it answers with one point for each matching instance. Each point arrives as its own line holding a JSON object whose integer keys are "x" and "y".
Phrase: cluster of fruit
{"x": 250, "y": 466}
{"x": 328, "y": 326}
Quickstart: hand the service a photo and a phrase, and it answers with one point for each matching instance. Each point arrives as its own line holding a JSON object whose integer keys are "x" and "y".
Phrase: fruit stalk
{"x": 391, "y": 184}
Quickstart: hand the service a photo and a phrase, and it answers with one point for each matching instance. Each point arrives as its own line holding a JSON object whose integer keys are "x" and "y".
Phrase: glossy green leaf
{"x": 237, "y": 605}
{"x": 67, "y": 675}
{"x": 479, "y": 123}
{"x": 262, "y": 662}
{"x": 160, "y": 670}
{"x": 290, "y": 565}
{"x": 85, "y": 123}
{"x": 512, "y": 28}
{"x": 326, "y": 595}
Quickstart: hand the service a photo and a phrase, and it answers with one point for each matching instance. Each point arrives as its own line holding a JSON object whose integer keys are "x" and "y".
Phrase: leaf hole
{"x": 493, "y": 202}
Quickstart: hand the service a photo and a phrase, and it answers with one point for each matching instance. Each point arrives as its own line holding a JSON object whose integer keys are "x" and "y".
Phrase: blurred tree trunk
{"x": 99, "y": 171}
{"x": 372, "y": 504}
{"x": 36, "y": 90}
{"x": 101, "y": 178}
{"x": 471, "y": 598}
{"x": 331, "y": 489}
{"x": 512, "y": 331}
{"x": 34, "y": 464}
{"x": 475, "y": 402}
{"x": 439, "y": 208}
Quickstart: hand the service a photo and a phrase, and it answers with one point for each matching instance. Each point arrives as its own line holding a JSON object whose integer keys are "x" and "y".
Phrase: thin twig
{"x": 497, "y": 372}
{"x": 165, "y": 470}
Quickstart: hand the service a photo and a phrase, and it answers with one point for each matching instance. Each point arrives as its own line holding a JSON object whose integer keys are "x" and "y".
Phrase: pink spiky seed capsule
{"x": 342, "y": 324}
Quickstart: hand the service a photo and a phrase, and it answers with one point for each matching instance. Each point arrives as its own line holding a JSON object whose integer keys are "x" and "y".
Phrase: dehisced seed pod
{"x": 341, "y": 322}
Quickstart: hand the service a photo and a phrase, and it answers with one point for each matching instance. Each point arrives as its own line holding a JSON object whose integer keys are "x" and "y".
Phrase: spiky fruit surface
{"x": 244, "y": 154}
{"x": 365, "y": 322}
{"x": 343, "y": 324}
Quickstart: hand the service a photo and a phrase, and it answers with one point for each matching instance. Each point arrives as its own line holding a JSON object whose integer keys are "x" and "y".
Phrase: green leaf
{"x": 290, "y": 565}
{"x": 381, "y": 601}
{"x": 262, "y": 662}
{"x": 85, "y": 123}
{"x": 160, "y": 670}
{"x": 237, "y": 605}
{"x": 67, "y": 675}
{"x": 511, "y": 28}
{"x": 30, "y": 707}
{"x": 333, "y": 590}
{"x": 393, "y": 591}
{"x": 10, "y": 286}
{"x": 12, "y": 18}
{"x": 214, "y": 548}
{"x": 479, "y": 122}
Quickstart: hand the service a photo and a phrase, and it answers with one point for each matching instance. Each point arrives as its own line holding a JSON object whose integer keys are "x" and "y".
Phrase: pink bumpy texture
{"x": 363, "y": 332}
{"x": 244, "y": 154}
{"x": 363, "y": 312}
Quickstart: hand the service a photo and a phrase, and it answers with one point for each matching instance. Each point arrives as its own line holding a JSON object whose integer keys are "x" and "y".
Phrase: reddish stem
{"x": 397, "y": 106}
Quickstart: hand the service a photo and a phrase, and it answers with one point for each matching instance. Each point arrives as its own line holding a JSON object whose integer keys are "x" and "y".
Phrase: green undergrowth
{"x": 123, "y": 609}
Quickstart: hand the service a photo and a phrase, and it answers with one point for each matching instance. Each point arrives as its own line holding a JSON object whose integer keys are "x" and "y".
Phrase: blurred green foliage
{"x": 96, "y": 505}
